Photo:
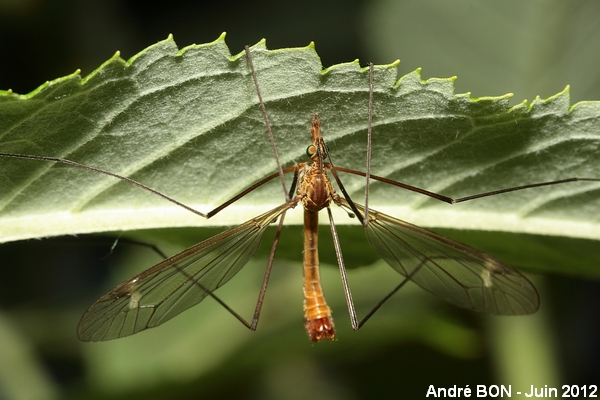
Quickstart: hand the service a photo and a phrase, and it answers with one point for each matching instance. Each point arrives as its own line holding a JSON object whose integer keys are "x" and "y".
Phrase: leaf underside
{"x": 187, "y": 123}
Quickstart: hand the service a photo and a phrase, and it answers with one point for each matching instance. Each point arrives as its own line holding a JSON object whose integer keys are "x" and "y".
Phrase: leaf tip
{"x": 351, "y": 65}
{"x": 261, "y": 44}
{"x": 565, "y": 91}
{"x": 556, "y": 104}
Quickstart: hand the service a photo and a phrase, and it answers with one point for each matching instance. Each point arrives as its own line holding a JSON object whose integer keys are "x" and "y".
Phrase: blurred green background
{"x": 528, "y": 48}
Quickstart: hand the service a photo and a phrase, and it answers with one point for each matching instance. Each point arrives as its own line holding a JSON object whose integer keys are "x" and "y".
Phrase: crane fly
{"x": 455, "y": 272}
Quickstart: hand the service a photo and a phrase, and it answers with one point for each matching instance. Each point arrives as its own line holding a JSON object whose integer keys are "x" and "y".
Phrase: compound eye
{"x": 311, "y": 151}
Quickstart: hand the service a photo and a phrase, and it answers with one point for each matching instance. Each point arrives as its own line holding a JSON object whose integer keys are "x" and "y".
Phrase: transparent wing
{"x": 453, "y": 271}
{"x": 175, "y": 284}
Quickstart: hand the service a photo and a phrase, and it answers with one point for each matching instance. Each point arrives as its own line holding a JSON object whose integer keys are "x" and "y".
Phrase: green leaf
{"x": 187, "y": 123}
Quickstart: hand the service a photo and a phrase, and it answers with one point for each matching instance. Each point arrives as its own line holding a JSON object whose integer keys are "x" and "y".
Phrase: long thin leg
{"x": 364, "y": 219}
{"x": 369, "y": 135}
{"x": 532, "y": 185}
{"x": 351, "y": 204}
{"x": 340, "y": 260}
{"x": 250, "y": 325}
{"x": 267, "y": 123}
{"x": 451, "y": 200}
{"x": 101, "y": 171}
{"x": 250, "y": 189}
{"x": 149, "y": 189}
{"x": 356, "y": 325}
{"x": 378, "y": 305}
{"x": 388, "y": 296}
{"x": 151, "y": 246}
{"x": 263, "y": 288}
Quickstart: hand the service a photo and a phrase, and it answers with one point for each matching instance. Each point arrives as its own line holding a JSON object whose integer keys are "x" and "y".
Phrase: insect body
{"x": 316, "y": 192}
